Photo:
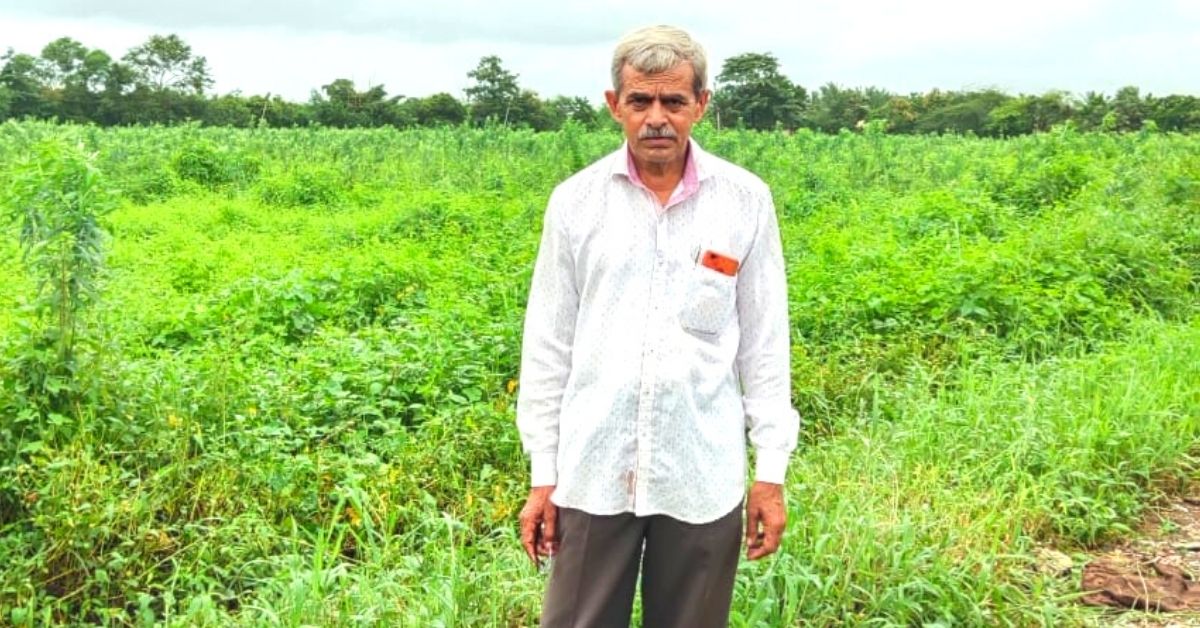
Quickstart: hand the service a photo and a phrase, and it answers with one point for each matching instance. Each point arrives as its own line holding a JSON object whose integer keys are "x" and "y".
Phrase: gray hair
{"x": 658, "y": 49}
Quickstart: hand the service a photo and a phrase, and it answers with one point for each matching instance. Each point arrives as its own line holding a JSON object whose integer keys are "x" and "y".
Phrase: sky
{"x": 290, "y": 47}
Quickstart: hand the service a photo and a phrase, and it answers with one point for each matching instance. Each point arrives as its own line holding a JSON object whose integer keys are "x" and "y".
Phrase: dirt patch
{"x": 1158, "y": 568}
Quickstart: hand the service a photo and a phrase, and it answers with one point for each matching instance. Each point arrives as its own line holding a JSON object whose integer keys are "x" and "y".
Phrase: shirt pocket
{"x": 709, "y": 302}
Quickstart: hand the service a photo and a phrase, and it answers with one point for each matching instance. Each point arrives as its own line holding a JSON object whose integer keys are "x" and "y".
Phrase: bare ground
{"x": 1169, "y": 535}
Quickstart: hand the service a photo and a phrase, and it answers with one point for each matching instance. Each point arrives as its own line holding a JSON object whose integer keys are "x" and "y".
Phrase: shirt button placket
{"x": 645, "y": 441}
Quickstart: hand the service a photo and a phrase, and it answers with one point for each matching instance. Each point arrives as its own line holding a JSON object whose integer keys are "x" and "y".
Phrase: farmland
{"x": 289, "y": 398}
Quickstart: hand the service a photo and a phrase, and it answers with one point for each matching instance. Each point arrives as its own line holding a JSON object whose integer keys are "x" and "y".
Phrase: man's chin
{"x": 657, "y": 155}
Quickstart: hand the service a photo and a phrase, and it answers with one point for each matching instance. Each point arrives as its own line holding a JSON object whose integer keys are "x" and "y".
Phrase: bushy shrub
{"x": 304, "y": 187}
{"x": 210, "y": 166}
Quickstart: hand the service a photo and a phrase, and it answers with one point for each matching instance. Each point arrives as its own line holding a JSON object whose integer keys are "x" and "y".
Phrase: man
{"x": 656, "y": 336}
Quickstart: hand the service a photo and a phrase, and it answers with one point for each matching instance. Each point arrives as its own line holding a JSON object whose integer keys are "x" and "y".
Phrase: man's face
{"x": 657, "y": 112}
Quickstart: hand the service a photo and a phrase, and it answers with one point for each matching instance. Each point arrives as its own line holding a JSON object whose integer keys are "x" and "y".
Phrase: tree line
{"x": 162, "y": 81}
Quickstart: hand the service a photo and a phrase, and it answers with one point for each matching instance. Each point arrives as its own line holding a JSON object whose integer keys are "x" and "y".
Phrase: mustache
{"x": 652, "y": 133}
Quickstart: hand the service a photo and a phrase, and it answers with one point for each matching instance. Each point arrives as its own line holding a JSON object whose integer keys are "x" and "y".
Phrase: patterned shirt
{"x": 643, "y": 369}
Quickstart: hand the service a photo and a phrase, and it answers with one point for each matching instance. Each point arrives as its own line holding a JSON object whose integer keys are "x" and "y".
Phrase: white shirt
{"x": 642, "y": 370}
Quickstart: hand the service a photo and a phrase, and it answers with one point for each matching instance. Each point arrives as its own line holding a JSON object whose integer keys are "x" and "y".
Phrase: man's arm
{"x": 545, "y": 365}
{"x": 764, "y": 367}
{"x": 546, "y": 346}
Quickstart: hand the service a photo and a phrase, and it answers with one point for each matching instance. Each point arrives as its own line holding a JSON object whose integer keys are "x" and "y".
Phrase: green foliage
{"x": 57, "y": 197}
{"x": 162, "y": 82}
{"x": 166, "y": 63}
{"x": 305, "y": 411}
{"x": 210, "y": 166}
{"x": 494, "y": 93}
{"x": 344, "y": 106}
{"x": 753, "y": 94}
{"x": 308, "y": 186}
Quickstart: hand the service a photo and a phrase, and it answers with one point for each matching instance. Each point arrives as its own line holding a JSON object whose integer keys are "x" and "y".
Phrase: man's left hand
{"x": 766, "y": 517}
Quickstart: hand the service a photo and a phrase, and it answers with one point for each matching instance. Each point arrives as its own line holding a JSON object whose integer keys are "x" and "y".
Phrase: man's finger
{"x": 528, "y": 536}
{"x": 550, "y": 528}
{"x": 771, "y": 539}
{"x": 771, "y": 536}
{"x": 752, "y": 523}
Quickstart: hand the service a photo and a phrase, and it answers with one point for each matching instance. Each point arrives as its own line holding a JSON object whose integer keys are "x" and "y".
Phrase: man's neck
{"x": 662, "y": 178}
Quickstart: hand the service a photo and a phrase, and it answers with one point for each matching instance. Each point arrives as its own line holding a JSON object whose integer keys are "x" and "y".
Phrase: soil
{"x": 1169, "y": 535}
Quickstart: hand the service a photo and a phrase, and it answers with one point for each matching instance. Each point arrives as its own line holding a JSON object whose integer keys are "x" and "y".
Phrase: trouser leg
{"x": 594, "y": 575}
{"x": 688, "y": 571}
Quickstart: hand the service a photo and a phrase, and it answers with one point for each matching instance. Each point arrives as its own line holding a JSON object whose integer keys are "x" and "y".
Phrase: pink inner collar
{"x": 686, "y": 188}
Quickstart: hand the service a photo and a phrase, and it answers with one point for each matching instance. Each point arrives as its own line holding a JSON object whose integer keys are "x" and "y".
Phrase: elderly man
{"x": 656, "y": 337}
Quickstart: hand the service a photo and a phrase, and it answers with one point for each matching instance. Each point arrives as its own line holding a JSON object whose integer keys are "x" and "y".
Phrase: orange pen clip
{"x": 720, "y": 263}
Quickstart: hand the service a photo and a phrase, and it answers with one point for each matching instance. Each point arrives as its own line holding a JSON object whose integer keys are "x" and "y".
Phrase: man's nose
{"x": 656, "y": 115}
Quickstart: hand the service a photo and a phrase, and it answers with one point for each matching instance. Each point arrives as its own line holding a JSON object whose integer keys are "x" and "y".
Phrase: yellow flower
{"x": 252, "y": 411}
{"x": 174, "y": 421}
{"x": 512, "y": 386}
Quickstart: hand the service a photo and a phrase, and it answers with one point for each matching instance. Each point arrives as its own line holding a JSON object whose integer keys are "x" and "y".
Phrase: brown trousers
{"x": 687, "y": 570}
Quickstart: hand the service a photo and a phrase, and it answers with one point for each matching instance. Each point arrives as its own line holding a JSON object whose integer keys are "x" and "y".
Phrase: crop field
{"x": 268, "y": 377}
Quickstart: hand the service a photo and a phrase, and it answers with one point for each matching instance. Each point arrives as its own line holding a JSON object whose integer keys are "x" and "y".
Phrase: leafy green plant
{"x": 204, "y": 163}
{"x": 57, "y": 197}
{"x": 306, "y": 416}
{"x": 307, "y": 187}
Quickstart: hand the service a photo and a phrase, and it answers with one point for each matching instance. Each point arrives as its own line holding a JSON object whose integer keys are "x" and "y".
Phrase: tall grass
{"x": 306, "y": 413}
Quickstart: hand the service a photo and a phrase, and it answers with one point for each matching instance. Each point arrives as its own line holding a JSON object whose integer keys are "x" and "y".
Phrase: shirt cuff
{"x": 544, "y": 468}
{"x": 770, "y": 465}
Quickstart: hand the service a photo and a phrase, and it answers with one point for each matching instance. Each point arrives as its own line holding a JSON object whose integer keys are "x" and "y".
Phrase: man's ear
{"x": 610, "y": 97}
{"x": 702, "y": 103}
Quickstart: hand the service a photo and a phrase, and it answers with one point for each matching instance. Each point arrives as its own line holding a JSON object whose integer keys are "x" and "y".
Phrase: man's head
{"x": 659, "y": 75}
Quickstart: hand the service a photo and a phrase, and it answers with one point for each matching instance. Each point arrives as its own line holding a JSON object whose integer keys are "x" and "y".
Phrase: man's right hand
{"x": 539, "y": 524}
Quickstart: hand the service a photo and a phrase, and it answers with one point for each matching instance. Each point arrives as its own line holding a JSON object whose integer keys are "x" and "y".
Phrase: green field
{"x": 292, "y": 402}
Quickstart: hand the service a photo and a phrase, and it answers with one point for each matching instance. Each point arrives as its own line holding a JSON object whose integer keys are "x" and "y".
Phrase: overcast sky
{"x": 418, "y": 48}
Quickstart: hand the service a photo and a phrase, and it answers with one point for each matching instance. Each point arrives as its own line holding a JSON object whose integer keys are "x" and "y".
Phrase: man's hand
{"x": 539, "y": 524}
{"x": 766, "y": 516}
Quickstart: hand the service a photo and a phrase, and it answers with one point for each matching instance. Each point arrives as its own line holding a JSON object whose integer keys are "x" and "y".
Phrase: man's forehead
{"x": 678, "y": 78}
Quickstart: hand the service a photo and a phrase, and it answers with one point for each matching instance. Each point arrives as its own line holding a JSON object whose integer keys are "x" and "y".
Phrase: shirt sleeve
{"x": 763, "y": 358}
{"x": 546, "y": 346}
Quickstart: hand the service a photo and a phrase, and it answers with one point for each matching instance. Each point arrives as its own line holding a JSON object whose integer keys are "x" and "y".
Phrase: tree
{"x": 753, "y": 94}
{"x": 344, "y": 106}
{"x": 494, "y": 93}
{"x": 63, "y": 61}
{"x": 275, "y": 112}
{"x": 1051, "y": 108}
{"x": 115, "y": 106}
{"x": 438, "y": 109}
{"x": 900, "y": 113}
{"x": 576, "y": 108}
{"x": 1128, "y": 109}
{"x": 167, "y": 64}
{"x": 1031, "y": 114}
{"x": 1011, "y": 118}
{"x": 528, "y": 110}
{"x": 961, "y": 112}
{"x": 1175, "y": 112}
{"x": 1090, "y": 111}
{"x": 21, "y": 84}
{"x": 229, "y": 110}
{"x": 75, "y": 78}
{"x": 834, "y": 108}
